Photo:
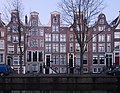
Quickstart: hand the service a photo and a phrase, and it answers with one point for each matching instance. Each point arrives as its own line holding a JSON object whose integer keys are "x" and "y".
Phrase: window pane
{"x": 101, "y": 47}
{"x": 117, "y": 45}
{"x": 116, "y": 34}
{"x": 95, "y": 60}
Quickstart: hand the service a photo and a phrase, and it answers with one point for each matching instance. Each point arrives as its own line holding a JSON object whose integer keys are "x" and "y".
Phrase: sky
{"x": 45, "y": 7}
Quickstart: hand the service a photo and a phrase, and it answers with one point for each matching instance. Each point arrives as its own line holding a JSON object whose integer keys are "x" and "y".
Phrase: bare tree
{"x": 79, "y": 14}
{"x": 18, "y": 7}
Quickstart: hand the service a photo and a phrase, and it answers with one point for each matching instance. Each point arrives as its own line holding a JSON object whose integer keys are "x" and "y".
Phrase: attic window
{"x": 55, "y": 19}
{"x": 13, "y": 19}
{"x": 102, "y": 21}
{"x": 34, "y": 22}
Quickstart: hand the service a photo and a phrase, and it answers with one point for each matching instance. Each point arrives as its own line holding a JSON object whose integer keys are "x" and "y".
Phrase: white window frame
{"x": 47, "y": 37}
{"x": 10, "y": 49}
{"x": 18, "y": 49}
{"x": 55, "y": 37}
{"x": 101, "y": 37}
{"x": 2, "y": 44}
{"x": 108, "y": 37}
{"x": 1, "y": 57}
{"x": 101, "y": 47}
{"x": 117, "y": 35}
{"x": 62, "y": 47}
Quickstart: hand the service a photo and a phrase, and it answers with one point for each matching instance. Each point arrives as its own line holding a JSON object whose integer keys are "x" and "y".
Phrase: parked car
{"x": 115, "y": 71}
{"x": 105, "y": 71}
{"x": 4, "y": 69}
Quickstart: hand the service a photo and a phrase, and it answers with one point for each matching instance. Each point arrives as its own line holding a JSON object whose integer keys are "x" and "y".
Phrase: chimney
{"x": 26, "y": 20}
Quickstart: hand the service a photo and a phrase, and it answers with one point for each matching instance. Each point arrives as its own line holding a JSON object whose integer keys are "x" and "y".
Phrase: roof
{"x": 116, "y": 21}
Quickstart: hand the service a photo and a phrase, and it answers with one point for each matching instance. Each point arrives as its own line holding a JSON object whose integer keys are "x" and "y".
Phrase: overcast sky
{"x": 45, "y": 7}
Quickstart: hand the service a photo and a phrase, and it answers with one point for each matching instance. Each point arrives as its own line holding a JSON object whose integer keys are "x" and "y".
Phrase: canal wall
{"x": 59, "y": 79}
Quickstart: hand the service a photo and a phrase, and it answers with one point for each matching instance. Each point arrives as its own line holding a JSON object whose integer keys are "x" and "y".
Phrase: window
{"x": 1, "y": 58}
{"x": 55, "y": 59}
{"x": 35, "y": 32}
{"x": 55, "y": 47}
{"x": 95, "y": 59}
{"x": 77, "y": 47}
{"x": 63, "y": 47}
{"x": 15, "y": 38}
{"x": 41, "y": 43}
{"x": 1, "y": 34}
{"x": 40, "y": 55}
{"x": 55, "y": 19}
{"x": 63, "y": 59}
{"x": 10, "y": 49}
{"x": 108, "y": 47}
{"x": 47, "y": 37}
{"x": 41, "y": 31}
{"x": 55, "y": 37}
{"x": 101, "y": 21}
{"x": 18, "y": 49}
{"x": 2, "y": 44}
{"x": 55, "y": 28}
{"x": 9, "y": 29}
{"x": 94, "y": 47}
{"x": 34, "y": 22}
{"x": 9, "y": 38}
{"x": 71, "y": 37}
{"x": 108, "y": 38}
{"x": 101, "y": 28}
{"x": 102, "y": 59}
{"x": 85, "y": 60}
{"x": 94, "y": 70}
{"x": 34, "y": 67}
{"x": 109, "y": 60}
{"x": 48, "y": 47}
{"x": 16, "y": 60}
{"x": 14, "y": 29}
{"x": 62, "y": 37}
{"x": 101, "y": 38}
{"x": 117, "y": 45}
{"x": 13, "y": 19}
{"x": 29, "y": 56}
{"x": 77, "y": 61}
{"x": 34, "y": 43}
{"x": 116, "y": 34}
{"x": 34, "y": 56}
{"x": 109, "y": 29}
{"x": 94, "y": 38}
{"x": 101, "y": 47}
{"x": 71, "y": 47}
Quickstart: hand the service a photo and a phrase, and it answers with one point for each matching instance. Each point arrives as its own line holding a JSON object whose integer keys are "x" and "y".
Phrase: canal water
{"x": 60, "y": 88}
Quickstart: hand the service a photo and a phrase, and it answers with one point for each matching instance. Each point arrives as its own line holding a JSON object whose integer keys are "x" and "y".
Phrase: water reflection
{"x": 60, "y": 88}
{"x": 42, "y": 91}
